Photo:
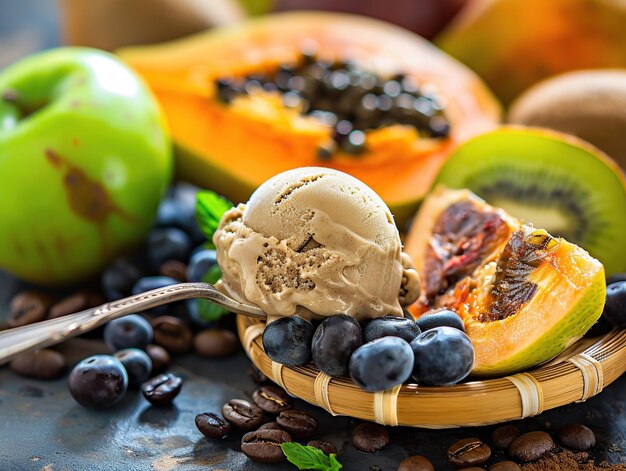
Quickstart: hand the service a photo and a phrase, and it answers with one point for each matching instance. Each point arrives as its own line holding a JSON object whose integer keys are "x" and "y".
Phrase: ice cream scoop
{"x": 315, "y": 242}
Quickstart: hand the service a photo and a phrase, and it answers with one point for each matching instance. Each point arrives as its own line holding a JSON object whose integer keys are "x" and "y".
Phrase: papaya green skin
{"x": 85, "y": 157}
{"x": 580, "y": 318}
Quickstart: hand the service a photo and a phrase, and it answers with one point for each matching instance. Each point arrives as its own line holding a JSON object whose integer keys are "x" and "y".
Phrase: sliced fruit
{"x": 551, "y": 180}
{"x": 523, "y": 295}
{"x": 234, "y": 131}
{"x": 513, "y": 44}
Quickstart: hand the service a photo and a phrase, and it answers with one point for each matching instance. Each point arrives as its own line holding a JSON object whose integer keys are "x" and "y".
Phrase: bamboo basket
{"x": 576, "y": 375}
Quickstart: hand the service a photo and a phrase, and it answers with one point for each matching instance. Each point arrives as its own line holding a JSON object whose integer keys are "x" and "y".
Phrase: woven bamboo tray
{"x": 578, "y": 374}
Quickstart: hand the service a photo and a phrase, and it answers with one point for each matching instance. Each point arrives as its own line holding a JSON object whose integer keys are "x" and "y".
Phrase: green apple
{"x": 85, "y": 157}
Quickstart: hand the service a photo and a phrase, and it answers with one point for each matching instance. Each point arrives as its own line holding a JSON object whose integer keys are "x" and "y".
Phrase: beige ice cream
{"x": 315, "y": 242}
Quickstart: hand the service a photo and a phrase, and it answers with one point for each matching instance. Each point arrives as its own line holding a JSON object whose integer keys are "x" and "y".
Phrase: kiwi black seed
{"x": 553, "y": 181}
{"x": 345, "y": 97}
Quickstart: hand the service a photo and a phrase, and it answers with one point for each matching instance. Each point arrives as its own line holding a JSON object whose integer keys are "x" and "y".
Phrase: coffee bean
{"x": 161, "y": 390}
{"x": 212, "y": 425}
{"x": 370, "y": 438}
{"x": 298, "y": 423}
{"x": 263, "y": 446}
{"x": 326, "y": 447}
{"x": 242, "y": 414}
{"x": 76, "y": 302}
{"x": 172, "y": 334}
{"x": 503, "y": 436}
{"x": 531, "y": 446}
{"x": 272, "y": 399}
{"x": 474, "y": 468}
{"x": 43, "y": 364}
{"x": 505, "y": 466}
{"x": 576, "y": 437}
{"x": 468, "y": 452}
{"x": 174, "y": 269}
{"x": 416, "y": 463}
{"x": 270, "y": 426}
{"x": 28, "y": 307}
{"x": 160, "y": 358}
{"x": 257, "y": 375}
{"x": 216, "y": 343}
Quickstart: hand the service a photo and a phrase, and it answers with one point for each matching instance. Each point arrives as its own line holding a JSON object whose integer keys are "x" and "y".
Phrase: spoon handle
{"x": 46, "y": 333}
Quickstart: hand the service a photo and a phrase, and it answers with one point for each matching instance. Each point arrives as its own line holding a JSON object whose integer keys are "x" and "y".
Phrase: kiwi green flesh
{"x": 549, "y": 181}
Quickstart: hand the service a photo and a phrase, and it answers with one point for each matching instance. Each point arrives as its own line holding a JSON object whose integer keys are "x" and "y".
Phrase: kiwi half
{"x": 550, "y": 180}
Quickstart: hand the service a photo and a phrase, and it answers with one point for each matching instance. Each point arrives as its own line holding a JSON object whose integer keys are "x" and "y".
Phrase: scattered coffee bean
{"x": 505, "y": 466}
{"x": 503, "y": 436}
{"x": 242, "y": 414}
{"x": 474, "y": 468}
{"x": 28, "y": 307}
{"x": 263, "y": 446}
{"x": 161, "y": 390}
{"x": 468, "y": 452}
{"x": 369, "y": 437}
{"x": 43, "y": 364}
{"x": 216, "y": 343}
{"x": 416, "y": 463}
{"x": 270, "y": 426}
{"x": 172, "y": 334}
{"x": 272, "y": 399}
{"x": 576, "y": 437}
{"x": 298, "y": 423}
{"x": 531, "y": 446}
{"x": 326, "y": 447}
{"x": 174, "y": 269}
{"x": 212, "y": 425}
{"x": 160, "y": 358}
{"x": 76, "y": 302}
{"x": 257, "y": 375}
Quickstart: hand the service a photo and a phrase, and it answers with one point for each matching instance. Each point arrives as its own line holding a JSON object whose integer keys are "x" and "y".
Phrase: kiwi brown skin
{"x": 589, "y": 104}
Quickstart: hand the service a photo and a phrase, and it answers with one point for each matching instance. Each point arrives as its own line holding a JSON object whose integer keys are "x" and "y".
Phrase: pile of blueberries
{"x": 345, "y": 97}
{"x": 434, "y": 350}
{"x": 174, "y": 251}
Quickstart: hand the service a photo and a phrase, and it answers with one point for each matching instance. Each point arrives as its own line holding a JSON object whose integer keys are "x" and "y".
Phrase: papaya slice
{"x": 234, "y": 143}
{"x": 524, "y": 296}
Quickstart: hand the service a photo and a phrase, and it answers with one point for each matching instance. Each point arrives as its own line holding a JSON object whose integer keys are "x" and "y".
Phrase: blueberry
{"x": 393, "y": 326}
{"x": 287, "y": 340}
{"x": 443, "y": 356}
{"x": 178, "y": 209}
{"x": 118, "y": 278}
{"x": 167, "y": 243}
{"x": 200, "y": 263}
{"x": 148, "y": 283}
{"x": 382, "y": 364}
{"x": 440, "y": 318}
{"x": 137, "y": 363}
{"x": 615, "y": 278}
{"x": 132, "y": 331}
{"x": 98, "y": 381}
{"x": 615, "y": 306}
{"x": 333, "y": 342}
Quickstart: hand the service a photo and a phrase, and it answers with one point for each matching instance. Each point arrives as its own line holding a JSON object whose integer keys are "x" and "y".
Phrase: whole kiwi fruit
{"x": 589, "y": 104}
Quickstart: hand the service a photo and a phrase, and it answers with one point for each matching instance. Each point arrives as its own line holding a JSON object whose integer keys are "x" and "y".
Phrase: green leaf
{"x": 210, "y": 207}
{"x": 308, "y": 457}
{"x": 208, "y": 311}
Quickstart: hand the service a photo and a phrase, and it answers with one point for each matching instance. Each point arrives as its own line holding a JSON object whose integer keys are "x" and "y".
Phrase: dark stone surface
{"x": 41, "y": 425}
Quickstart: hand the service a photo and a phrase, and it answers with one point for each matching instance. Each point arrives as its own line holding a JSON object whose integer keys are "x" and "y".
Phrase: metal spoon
{"x": 53, "y": 331}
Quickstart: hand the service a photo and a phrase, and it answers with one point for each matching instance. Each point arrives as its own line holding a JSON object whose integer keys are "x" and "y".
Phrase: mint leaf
{"x": 210, "y": 207}
{"x": 308, "y": 457}
{"x": 208, "y": 311}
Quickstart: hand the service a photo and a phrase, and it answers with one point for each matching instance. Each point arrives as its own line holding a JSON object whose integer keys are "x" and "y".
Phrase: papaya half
{"x": 514, "y": 44}
{"x": 314, "y": 89}
{"x": 523, "y": 295}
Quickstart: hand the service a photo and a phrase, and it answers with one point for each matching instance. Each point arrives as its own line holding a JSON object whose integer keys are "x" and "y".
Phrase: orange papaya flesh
{"x": 544, "y": 39}
{"x": 234, "y": 148}
{"x": 523, "y": 295}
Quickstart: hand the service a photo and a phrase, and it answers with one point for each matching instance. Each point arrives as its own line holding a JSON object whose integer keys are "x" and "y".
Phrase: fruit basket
{"x": 579, "y": 373}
